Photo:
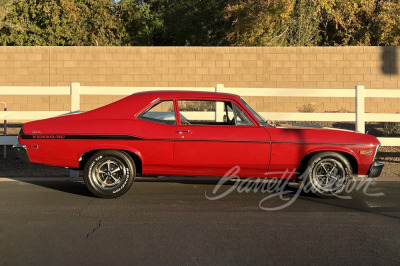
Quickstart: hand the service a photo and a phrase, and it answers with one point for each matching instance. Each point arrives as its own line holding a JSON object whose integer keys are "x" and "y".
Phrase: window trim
{"x": 237, "y": 109}
{"x": 153, "y": 104}
{"x": 256, "y": 115}
{"x": 232, "y": 101}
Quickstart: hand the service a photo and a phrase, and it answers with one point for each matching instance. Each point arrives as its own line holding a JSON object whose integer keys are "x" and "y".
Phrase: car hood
{"x": 318, "y": 135}
{"x": 300, "y": 126}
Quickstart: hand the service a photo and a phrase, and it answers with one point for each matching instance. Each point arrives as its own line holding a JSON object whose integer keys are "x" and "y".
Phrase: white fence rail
{"x": 359, "y": 93}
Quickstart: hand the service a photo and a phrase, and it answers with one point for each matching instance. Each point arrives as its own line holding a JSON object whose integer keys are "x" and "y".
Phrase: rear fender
{"x": 109, "y": 147}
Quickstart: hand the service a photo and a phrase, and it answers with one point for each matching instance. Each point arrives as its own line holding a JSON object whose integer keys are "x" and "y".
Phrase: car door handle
{"x": 181, "y": 131}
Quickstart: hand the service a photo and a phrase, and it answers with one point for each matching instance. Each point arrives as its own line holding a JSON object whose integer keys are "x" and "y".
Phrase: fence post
{"x": 4, "y": 130}
{"x": 219, "y": 88}
{"x": 360, "y": 109}
{"x": 75, "y": 96}
{"x": 219, "y": 112}
{"x": 75, "y": 106}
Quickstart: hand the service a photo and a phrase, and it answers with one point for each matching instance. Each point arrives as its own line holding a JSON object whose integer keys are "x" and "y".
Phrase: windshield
{"x": 259, "y": 117}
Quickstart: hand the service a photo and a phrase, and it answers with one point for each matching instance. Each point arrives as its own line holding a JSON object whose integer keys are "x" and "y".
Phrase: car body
{"x": 191, "y": 134}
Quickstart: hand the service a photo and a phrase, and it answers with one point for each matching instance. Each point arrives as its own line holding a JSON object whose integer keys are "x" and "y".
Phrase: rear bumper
{"x": 375, "y": 169}
{"x": 21, "y": 152}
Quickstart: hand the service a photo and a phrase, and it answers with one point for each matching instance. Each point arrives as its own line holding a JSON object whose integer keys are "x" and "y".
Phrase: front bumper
{"x": 21, "y": 152}
{"x": 375, "y": 169}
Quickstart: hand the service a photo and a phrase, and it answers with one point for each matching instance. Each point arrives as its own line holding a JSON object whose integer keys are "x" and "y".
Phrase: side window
{"x": 162, "y": 112}
{"x": 203, "y": 112}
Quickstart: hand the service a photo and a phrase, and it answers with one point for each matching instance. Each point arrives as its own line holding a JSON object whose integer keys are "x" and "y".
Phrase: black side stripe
{"x": 60, "y": 137}
{"x": 116, "y": 137}
{"x": 128, "y": 137}
{"x": 121, "y": 137}
{"x": 317, "y": 143}
{"x": 222, "y": 140}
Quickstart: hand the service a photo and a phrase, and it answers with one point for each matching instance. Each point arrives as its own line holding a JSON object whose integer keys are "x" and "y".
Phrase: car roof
{"x": 176, "y": 94}
{"x": 125, "y": 107}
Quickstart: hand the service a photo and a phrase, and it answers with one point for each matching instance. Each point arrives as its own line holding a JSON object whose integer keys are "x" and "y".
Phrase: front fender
{"x": 331, "y": 148}
{"x": 345, "y": 150}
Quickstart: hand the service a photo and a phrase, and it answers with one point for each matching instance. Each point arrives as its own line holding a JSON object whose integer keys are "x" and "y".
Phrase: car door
{"x": 213, "y": 136}
{"x": 155, "y": 128}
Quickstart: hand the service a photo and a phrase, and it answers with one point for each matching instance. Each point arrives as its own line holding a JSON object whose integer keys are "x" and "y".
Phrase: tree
{"x": 388, "y": 23}
{"x": 195, "y": 22}
{"x": 260, "y": 22}
{"x": 346, "y": 22}
{"x": 98, "y": 23}
{"x": 138, "y": 23}
{"x": 42, "y": 23}
{"x": 304, "y": 25}
{"x": 273, "y": 23}
{"x": 302, "y": 22}
{"x": 200, "y": 22}
{"x": 4, "y": 9}
{"x": 60, "y": 22}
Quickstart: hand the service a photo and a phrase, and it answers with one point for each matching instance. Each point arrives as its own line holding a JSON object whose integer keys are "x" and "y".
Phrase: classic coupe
{"x": 194, "y": 134}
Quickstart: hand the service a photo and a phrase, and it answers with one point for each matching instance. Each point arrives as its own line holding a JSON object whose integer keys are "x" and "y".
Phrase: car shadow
{"x": 377, "y": 197}
{"x": 62, "y": 184}
{"x": 381, "y": 198}
{"x": 77, "y": 186}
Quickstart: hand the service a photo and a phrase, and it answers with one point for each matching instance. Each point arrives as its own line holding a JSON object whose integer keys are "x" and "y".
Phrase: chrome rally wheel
{"x": 109, "y": 173}
{"x": 329, "y": 172}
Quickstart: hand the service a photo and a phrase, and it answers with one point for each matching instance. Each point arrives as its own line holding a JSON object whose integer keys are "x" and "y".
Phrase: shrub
{"x": 307, "y": 108}
{"x": 310, "y": 123}
{"x": 390, "y": 128}
{"x": 196, "y": 106}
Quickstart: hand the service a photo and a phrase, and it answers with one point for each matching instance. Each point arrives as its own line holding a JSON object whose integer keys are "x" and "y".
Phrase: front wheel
{"x": 109, "y": 173}
{"x": 328, "y": 174}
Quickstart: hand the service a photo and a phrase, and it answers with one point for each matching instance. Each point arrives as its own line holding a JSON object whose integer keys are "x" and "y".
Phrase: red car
{"x": 193, "y": 134}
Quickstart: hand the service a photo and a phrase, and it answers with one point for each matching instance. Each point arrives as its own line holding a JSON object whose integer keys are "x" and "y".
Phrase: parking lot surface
{"x": 170, "y": 221}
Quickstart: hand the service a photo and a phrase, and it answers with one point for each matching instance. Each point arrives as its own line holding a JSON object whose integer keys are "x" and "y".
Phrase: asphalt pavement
{"x": 170, "y": 221}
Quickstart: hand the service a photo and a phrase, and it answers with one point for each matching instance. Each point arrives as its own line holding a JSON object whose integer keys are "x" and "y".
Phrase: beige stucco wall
{"x": 263, "y": 67}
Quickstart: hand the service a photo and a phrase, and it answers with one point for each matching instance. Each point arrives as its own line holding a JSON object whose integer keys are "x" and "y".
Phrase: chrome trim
{"x": 19, "y": 146}
{"x": 376, "y": 151}
{"x": 375, "y": 169}
{"x": 21, "y": 152}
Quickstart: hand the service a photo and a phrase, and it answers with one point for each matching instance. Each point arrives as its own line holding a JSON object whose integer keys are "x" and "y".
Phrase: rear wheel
{"x": 109, "y": 173}
{"x": 328, "y": 174}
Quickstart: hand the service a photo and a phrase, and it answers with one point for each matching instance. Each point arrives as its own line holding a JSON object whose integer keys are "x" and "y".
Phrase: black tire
{"x": 109, "y": 173}
{"x": 327, "y": 174}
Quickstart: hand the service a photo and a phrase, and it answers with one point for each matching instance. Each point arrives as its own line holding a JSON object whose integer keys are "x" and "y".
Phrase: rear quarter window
{"x": 162, "y": 112}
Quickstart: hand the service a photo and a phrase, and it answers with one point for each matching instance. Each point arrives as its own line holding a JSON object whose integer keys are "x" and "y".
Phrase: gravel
{"x": 391, "y": 157}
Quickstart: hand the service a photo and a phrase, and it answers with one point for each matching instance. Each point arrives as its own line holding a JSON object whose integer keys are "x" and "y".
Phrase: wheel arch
{"x": 135, "y": 155}
{"x": 350, "y": 157}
